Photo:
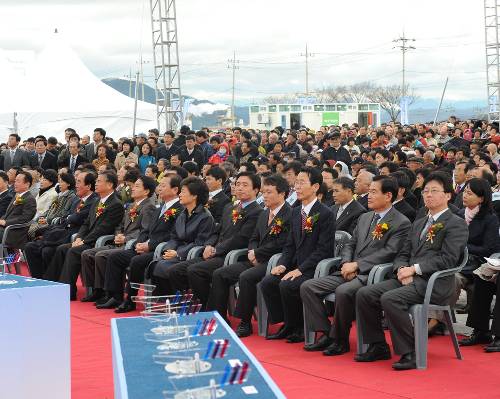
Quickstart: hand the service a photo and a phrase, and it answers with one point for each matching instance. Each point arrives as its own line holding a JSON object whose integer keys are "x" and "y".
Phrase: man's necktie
{"x": 457, "y": 189}
{"x": 340, "y": 211}
{"x": 72, "y": 165}
{"x": 375, "y": 220}
{"x": 163, "y": 210}
{"x": 40, "y": 158}
{"x": 271, "y": 217}
{"x": 429, "y": 223}
{"x": 304, "y": 218}
{"x": 12, "y": 154}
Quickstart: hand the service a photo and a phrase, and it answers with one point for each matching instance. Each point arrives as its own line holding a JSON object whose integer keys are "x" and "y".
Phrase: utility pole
{"x": 307, "y": 54}
{"x": 404, "y": 47}
{"x": 492, "y": 52}
{"x": 142, "y": 62}
{"x": 233, "y": 65}
{"x": 135, "y": 101}
{"x": 129, "y": 77}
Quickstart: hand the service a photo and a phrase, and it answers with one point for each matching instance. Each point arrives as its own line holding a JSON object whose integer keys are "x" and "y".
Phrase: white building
{"x": 292, "y": 116}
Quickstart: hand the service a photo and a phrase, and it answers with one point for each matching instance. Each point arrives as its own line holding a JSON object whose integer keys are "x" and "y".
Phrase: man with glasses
{"x": 435, "y": 243}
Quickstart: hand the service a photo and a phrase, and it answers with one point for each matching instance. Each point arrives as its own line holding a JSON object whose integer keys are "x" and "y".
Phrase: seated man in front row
{"x": 311, "y": 239}
{"x": 434, "y": 243}
{"x": 377, "y": 239}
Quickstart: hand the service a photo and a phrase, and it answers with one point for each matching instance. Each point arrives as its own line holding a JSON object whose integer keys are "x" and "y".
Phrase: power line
{"x": 307, "y": 54}
{"x": 233, "y": 65}
{"x": 404, "y": 48}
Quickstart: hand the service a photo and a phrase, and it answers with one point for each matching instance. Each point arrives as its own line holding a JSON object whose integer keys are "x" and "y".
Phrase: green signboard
{"x": 331, "y": 118}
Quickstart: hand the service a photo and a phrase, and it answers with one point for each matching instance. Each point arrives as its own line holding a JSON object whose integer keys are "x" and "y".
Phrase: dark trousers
{"x": 53, "y": 272}
{"x": 38, "y": 256}
{"x": 195, "y": 274}
{"x": 395, "y": 300}
{"x": 72, "y": 266}
{"x": 160, "y": 276}
{"x": 92, "y": 270}
{"x": 479, "y": 313}
{"x": 315, "y": 290}
{"x": 282, "y": 299}
{"x": 116, "y": 266}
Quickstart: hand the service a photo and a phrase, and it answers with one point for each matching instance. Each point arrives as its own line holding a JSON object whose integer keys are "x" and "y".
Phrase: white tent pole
{"x": 135, "y": 100}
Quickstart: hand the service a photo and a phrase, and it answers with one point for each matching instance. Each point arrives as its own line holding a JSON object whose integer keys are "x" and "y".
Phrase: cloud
{"x": 206, "y": 108}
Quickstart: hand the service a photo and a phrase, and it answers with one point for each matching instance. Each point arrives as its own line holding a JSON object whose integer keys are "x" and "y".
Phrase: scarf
{"x": 470, "y": 213}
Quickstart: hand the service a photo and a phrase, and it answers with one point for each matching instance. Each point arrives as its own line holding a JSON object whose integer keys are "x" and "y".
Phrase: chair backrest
{"x": 495, "y": 256}
{"x": 341, "y": 238}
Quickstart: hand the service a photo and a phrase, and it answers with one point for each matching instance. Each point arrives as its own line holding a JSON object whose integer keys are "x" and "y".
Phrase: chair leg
{"x": 448, "y": 317}
{"x": 309, "y": 336}
{"x": 421, "y": 336}
{"x": 453, "y": 316}
{"x": 231, "y": 300}
{"x": 262, "y": 314}
{"x": 361, "y": 347}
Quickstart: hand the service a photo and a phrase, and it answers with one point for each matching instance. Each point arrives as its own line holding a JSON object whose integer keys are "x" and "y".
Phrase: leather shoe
{"x": 324, "y": 342}
{"x": 126, "y": 306}
{"x": 102, "y": 300}
{"x": 378, "y": 351}
{"x": 296, "y": 337}
{"x": 97, "y": 294}
{"x": 244, "y": 329}
{"x": 477, "y": 337}
{"x": 407, "y": 362}
{"x": 282, "y": 333}
{"x": 111, "y": 304}
{"x": 337, "y": 348}
{"x": 494, "y": 346}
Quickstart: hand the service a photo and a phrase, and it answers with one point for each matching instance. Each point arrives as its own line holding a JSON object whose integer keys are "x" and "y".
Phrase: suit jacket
{"x": 368, "y": 251}
{"x": 405, "y": 208}
{"x": 195, "y": 156}
{"x": 445, "y": 252}
{"x": 90, "y": 152}
{"x": 105, "y": 224}
{"x": 21, "y": 158}
{"x": 190, "y": 231}
{"x": 16, "y": 214}
{"x": 5, "y": 199}
{"x": 159, "y": 230}
{"x": 268, "y": 240}
{"x": 144, "y": 216}
{"x": 66, "y": 162}
{"x": 458, "y": 201}
{"x": 348, "y": 219}
{"x": 216, "y": 205}
{"x": 235, "y": 235}
{"x": 49, "y": 161}
{"x": 166, "y": 153}
{"x": 62, "y": 206}
{"x": 304, "y": 250}
{"x": 363, "y": 201}
{"x": 44, "y": 201}
{"x": 423, "y": 211}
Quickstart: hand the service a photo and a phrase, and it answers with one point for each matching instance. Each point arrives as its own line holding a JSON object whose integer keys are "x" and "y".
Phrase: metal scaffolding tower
{"x": 491, "y": 30}
{"x": 166, "y": 64}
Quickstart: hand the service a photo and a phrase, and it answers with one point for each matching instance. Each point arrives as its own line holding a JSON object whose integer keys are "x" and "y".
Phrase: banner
{"x": 331, "y": 118}
{"x": 404, "y": 110}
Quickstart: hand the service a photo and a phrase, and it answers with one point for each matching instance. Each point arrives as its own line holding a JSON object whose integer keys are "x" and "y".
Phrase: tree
{"x": 390, "y": 98}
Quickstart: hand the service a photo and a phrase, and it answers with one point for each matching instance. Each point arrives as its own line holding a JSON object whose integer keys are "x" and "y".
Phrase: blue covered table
{"x": 138, "y": 376}
{"x": 35, "y": 338}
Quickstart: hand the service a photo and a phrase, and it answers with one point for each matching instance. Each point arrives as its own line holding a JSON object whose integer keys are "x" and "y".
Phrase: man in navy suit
{"x": 43, "y": 158}
{"x": 311, "y": 239}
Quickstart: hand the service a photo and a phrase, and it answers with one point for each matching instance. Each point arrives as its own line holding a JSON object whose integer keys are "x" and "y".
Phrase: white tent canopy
{"x": 59, "y": 91}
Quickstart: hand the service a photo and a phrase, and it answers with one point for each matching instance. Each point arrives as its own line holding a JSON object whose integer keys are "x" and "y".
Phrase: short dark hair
{"x": 253, "y": 177}
{"x": 383, "y": 152}
{"x": 52, "y": 140}
{"x": 279, "y": 182}
{"x": 314, "y": 175}
{"x": 175, "y": 181}
{"x": 69, "y": 179}
{"x": 191, "y": 167}
{"x": 111, "y": 177}
{"x": 217, "y": 173}
{"x": 27, "y": 176}
{"x": 345, "y": 182}
{"x": 149, "y": 146}
{"x": 102, "y": 145}
{"x": 74, "y": 135}
{"x": 181, "y": 172}
{"x": 250, "y": 167}
{"x": 190, "y": 137}
{"x": 402, "y": 179}
{"x": 129, "y": 142}
{"x": 50, "y": 175}
{"x": 388, "y": 185}
{"x": 442, "y": 178}
{"x": 148, "y": 183}
{"x": 71, "y": 130}
{"x": 132, "y": 175}
{"x": 89, "y": 179}
{"x": 334, "y": 172}
{"x": 101, "y": 131}
{"x": 196, "y": 187}
{"x": 16, "y": 136}
{"x": 169, "y": 133}
{"x": 153, "y": 168}
{"x": 296, "y": 166}
{"x": 41, "y": 139}
{"x": 201, "y": 133}
{"x": 392, "y": 166}
{"x": 4, "y": 176}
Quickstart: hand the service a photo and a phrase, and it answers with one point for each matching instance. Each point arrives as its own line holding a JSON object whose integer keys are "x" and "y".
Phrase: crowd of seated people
{"x": 414, "y": 196}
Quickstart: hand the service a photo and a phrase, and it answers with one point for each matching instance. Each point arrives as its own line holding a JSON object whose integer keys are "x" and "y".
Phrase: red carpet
{"x": 300, "y": 374}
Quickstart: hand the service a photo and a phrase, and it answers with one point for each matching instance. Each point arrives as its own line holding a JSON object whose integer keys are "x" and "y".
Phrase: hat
{"x": 357, "y": 161}
{"x": 292, "y": 134}
{"x": 143, "y": 135}
{"x": 415, "y": 159}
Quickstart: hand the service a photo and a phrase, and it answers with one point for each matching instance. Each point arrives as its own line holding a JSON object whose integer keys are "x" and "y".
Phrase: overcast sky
{"x": 351, "y": 41}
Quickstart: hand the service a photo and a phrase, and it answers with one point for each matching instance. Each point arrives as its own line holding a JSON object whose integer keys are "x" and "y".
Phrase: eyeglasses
{"x": 432, "y": 192}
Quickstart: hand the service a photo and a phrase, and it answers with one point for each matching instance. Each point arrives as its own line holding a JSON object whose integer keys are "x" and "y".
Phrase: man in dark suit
{"x": 104, "y": 216}
{"x": 13, "y": 156}
{"x": 137, "y": 217}
{"x": 365, "y": 250}
{"x": 39, "y": 253}
{"x": 74, "y": 159}
{"x": 5, "y": 194}
{"x": 268, "y": 239}
{"x": 139, "y": 257}
{"x": 91, "y": 148}
{"x": 166, "y": 150}
{"x": 401, "y": 203}
{"x": 434, "y": 243}
{"x": 362, "y": 185}
{"x": 190, "y": 153}
{"x": 346, "y": 210}
{"x": 21, "y": 209}
{"x": 460, "y": 177}
{"x": 237, "y": 225}
{"x": 311, "y": 239}
{"x": 43, "y": 158}
{"x": 217, "y": 200}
